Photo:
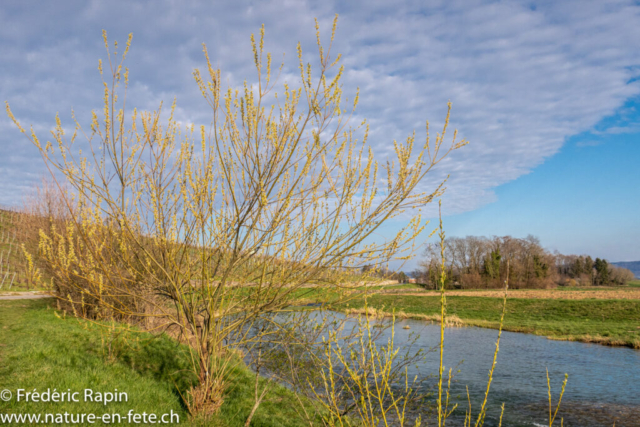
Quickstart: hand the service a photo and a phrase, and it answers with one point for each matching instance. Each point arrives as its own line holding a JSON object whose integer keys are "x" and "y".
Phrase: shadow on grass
{"x": 42, "y": 349}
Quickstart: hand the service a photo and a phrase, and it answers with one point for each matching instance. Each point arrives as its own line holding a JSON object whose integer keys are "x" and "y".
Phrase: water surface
{"x": 603, "y": 385}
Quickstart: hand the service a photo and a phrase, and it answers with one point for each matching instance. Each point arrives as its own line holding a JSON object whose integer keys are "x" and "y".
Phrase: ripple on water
{"x": 603, "y": 385}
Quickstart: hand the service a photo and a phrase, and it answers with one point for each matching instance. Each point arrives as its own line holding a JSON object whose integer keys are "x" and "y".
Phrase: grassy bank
{"x": 610, "y": 322}
{"x": 39, "y": 350}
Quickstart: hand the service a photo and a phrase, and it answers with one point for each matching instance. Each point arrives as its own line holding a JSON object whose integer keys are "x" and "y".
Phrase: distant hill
{"x": 634, "y": 266}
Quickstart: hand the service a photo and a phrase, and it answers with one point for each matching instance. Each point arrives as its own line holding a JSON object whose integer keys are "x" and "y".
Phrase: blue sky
{"x": 547, "y": 93}
{"x": 584, "y": 199}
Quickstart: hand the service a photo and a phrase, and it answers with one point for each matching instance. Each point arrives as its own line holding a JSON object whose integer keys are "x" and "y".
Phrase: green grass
{"x": 614, "y": 322}
{"x": 39, "y": 350}
{"x": 634, "y": 283}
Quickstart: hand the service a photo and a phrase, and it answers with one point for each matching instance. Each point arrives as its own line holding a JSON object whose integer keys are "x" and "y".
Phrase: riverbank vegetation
{"x": 602, "y": 321}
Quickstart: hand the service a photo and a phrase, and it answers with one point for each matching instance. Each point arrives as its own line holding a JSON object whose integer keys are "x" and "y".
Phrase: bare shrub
{"x": 620, "y": 276}
{"x": 471, "y": 280}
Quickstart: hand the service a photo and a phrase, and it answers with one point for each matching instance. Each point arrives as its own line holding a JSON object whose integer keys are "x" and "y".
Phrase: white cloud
{"x": 522, "y": 79}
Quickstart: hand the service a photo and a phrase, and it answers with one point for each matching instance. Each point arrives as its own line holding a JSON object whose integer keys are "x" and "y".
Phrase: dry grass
{"x": 451, "y": 320}
{"x": 597, "y": 339}
{"x": 578, "y": 294}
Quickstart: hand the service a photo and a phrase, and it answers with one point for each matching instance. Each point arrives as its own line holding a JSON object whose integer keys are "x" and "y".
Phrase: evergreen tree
{"x": 540, "y": 268}
{"x": 578, "y": 267}
{"x": 492, "y": 264}
{"x": 602, "y": 272}
{"x": 588, "y": 265}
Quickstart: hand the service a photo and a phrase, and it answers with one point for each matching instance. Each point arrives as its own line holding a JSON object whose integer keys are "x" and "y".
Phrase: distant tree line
{"x": 481, "y": 262}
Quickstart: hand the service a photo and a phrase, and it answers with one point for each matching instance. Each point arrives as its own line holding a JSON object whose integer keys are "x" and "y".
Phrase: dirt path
{"x": 23, "y": 295}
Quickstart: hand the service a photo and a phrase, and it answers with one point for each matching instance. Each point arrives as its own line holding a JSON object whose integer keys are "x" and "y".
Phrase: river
{"x": 603, "y": 385}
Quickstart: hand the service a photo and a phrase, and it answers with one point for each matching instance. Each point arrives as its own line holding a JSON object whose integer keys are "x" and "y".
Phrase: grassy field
{"x": 634, "y": 283}
{"x": 605, "y": 321}
{"x": 39, "y": 350}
